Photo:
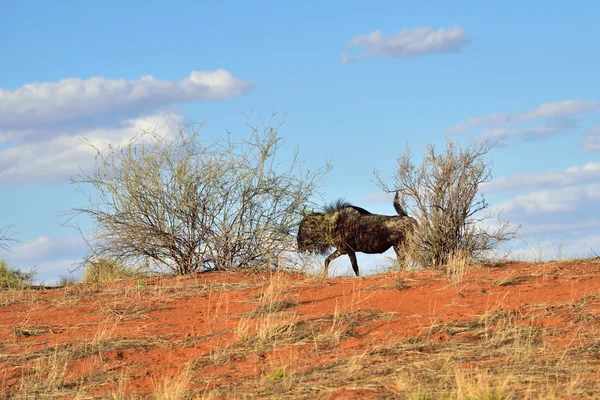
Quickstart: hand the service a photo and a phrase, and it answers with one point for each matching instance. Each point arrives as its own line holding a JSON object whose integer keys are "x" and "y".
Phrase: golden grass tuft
{"x": 105, "y": 270}
{"x": 175, "y": 387}
{"x": 457, "y": 267}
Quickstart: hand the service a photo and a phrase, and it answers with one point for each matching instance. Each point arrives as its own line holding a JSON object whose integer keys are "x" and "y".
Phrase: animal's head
{"x": 313, "y": 232}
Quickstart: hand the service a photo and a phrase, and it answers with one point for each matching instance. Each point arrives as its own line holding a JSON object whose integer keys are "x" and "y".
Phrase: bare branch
{"x": 6, "y": 237}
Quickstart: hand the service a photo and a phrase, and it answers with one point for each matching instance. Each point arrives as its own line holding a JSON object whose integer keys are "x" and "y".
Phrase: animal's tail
{"x": 398, "y": 206}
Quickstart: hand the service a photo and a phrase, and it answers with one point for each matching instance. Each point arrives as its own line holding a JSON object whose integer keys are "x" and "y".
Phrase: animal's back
{"x": 373, "y": 233}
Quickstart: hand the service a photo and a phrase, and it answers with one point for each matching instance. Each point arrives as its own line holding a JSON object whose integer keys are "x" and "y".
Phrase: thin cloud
{"x": 407, "y": 43}
{"x": 592, "y": 142}
{"x": 99, "y": 99}
{"x": 546, "y": 111}
{"x": 505, "y": 137}
{"x": 570, "y": 228}
{"x": 559, "y": 109}
{"x": 578, "y": 175}
{"x": 492, "y": 119}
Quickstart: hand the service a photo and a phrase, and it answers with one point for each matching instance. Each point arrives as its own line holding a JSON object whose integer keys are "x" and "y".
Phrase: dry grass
{"x": 457, "y": 266}
{"x": 105, "y": 270}
{"x": 176, "y": 387}
{"x": 278, "y": 351}
{"x": 511, "y": 280}
{"x": 507, "y": 358}
{"x": 47, "y": 378}
{"x": 10, "y": 297}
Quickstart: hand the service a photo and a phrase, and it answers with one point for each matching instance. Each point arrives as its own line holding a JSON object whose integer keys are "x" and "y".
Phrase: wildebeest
{"x": 350, "y": 229}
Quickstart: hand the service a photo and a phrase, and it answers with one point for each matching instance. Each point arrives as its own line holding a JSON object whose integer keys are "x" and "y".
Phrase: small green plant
{"x": 278, "y": 374}
{"x": 11, "y": 278}
{"x": 140, "y": 283}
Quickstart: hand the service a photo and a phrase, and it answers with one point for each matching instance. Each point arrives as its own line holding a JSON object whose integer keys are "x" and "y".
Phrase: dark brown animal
{"x": 350, "y": 229}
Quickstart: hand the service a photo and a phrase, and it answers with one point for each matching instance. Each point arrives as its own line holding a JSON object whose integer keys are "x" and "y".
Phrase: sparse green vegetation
{"x": 106, "y": 270}
{"x": 66, "y": 280}
{"x": 14, "y": 279}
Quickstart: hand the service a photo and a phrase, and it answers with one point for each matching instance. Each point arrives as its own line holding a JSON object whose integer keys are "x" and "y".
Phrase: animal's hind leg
{"x": 354, "y": 262}
{"x": 401, "y": 259}
{"x": 329, "y": 259}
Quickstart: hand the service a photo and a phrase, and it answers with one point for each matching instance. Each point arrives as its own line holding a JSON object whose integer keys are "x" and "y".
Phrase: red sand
{"x": 157, "y": 326}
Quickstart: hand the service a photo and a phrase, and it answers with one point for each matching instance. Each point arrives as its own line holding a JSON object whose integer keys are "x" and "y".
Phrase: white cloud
{"x": 562, "y": 200}
{"x": 408, "y": 43}
{"x": 578, "y": 175}
{"x": 50, "y": 272}
{"x": 49, "y": 257}
{"x": 592, "y": 142}
{"x": 546, "y": 111}
{"x": 46, "y": 249}
{"x": 57, "y": 159}
{"x": 37, "y": 104}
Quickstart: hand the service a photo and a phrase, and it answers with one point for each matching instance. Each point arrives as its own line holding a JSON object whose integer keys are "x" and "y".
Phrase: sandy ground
{"x": 520, "y": 330}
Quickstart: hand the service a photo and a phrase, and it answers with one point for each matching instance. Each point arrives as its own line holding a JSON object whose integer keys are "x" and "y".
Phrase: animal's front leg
{"x": 329, "y": 259}
{"x": 354, "y": 262}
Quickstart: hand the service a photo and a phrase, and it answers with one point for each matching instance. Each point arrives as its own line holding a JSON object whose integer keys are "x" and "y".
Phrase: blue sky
{"x": 355, "y": 80}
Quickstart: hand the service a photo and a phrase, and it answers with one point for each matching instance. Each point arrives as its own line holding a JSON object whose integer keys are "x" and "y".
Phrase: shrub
{"x": 443, "y": 194}
{"x": 66, "y": 281}
{"x": 14, "y": 279}
{"x": 181, "y": 203}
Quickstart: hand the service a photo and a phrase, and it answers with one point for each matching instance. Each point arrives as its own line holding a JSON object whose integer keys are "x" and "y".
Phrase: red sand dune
{"x": 520, "y": 329}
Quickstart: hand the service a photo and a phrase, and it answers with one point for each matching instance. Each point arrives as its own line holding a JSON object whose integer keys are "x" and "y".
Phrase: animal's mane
{"x": 340, "y": 204}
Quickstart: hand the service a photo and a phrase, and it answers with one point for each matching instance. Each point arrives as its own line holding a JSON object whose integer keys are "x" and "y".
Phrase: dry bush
{"x": 443, "y": 195}
{"x": 178, "y": 202}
